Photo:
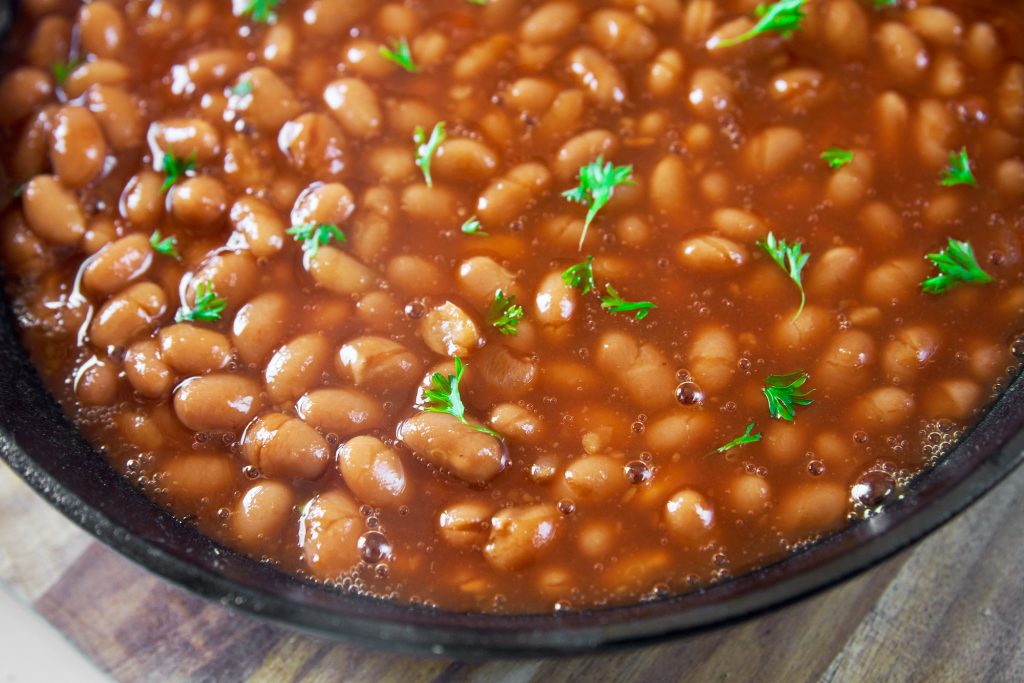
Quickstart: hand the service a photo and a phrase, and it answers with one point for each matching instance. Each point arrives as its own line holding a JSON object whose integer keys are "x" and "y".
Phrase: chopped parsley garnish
{"x": 168, "y": 246}
{"x": 598, "y": 181}
{"x": 789, "y": 258}
{"x": 426, "y": 147}
{"x": 882, "y": 4}
{"x": 400, "y": 54}
{"x": 62, "y": 70}
{"x": 785, "y": 392}
{"x": 505, "y": 313}
{"x": 443, "y": 397}
{"x": 613, "y": 303}
{"x": 472, "y": 227}
{"x": 742, "y": 440}
{"x": 959, "y": 170}
{"x": 315, "y": 235}
{"x": 837, "y": 158}
{"x": 242, "y": 88}
{"x": 175, "y": 167}
{"x": 208, "y": 306}
{"x": 957, "y": 266}
{"x": 781, "y": 17}
{"x": 261, "y": 11}
{"x": 477, "y": 2}
{"x": 580, "y": 276}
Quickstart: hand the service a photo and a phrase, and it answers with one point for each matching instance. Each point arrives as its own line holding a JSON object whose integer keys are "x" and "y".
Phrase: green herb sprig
{"x": 959, "y": 170}
{"x": 781, "y": 17}
{"x": 505, "y": 313}
{"x": 315, "y": 235}
{"x": 598, "y": 181}
{"x": 62, "y": 70}
{"x": 614, "y": 303}
{"x": 741, "y": 440}
{"x": 168, "y": 246}
{"x": 580, "y": 276}
{"x": 207, "y": 307}
{"x": 836, "y": 157}
{"x": 426, "y": 147}
{"x": 790, "y": 259}
{"x": 399, "y": 53}
{"x": 242, "y": 88}
{"x": 472, "y": 227}
{"x": 957, "y": 266}
{"x": 785, "y": 393}
{"x": 443, "y": 397}
{"x": 261, "y": 11}
{"x": 175, "y": 167}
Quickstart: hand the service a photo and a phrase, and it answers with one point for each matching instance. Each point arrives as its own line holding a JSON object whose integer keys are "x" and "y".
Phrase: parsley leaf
{"x": 789, "y": 258}
{"x": 242, "y": 88}
{"x": 782, "y": 17}
{"x": 836, "y": 157}
{"x": 959, "y": 170}
{"x": 784, "y": 393}
{"x": 261, "y": 11}
{"x": 882, "y": 4}
{"x": 400, "y": 54}
{"x": 741, "y": 440}
{"x": 208, "y": 306}
{"x": 472, "y": 227}
{"x": 957, "y": 266}
{"x": 477, "y": 2}
{"x": 175, "y": 167}
{"x": 613, "y": 303}
{"x": 315, "y": 235}
{"x": 168, "y": 246}
{"x": 427, "y": 147}
{"x": 580, "y": 275}
{"x": 598, "y": 181}
{"x": 62, "y": 70}
{"x": 505, "y": 313}
{"x": 443, "y": 397}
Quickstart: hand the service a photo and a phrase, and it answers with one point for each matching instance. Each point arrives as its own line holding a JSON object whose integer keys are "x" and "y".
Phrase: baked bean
{"x": 142, "y": 203}
{"x": 641, "y": 369}
{"x": 185, "y": 138}
{"x": 450, "y": 331}
{"x": 849, "y": 184}
{"x": 392, "y": 163}
{"x": 812, "y": 509}
{"x": 689, "y": 516}
{"x": 904, "y": 55}
{"x": 555, "y": 302}
{"x": 708, "y": 253}
{"x": 550, "y": 23}
{"x": 668, "y": 190}
{"x": 194, "y": 350}
{"x": 93, "y": 73}
{"x": 432, "y": 205}
{"x": 214, "y": 67}
{"x": 982, "y": 47}
{"x": 117, "y": 113}
{"x": 373, "y": 472}
{"x": 881, "y": 223}
{"x": 515, "y": 422}
{"x": 466, "y": 524}
{"x": 507, "y": 374}
{"x": 259, "y": 326}
{"x": 337, "y": 272}
{"x": 329, "y": 534}
{"x": 954, "y": 399}
{"x": 845, "y": 364}
{"x": 284, "y": 447}
{"x": 739, "y": 225}
{"x": 297, "y": 366}
{"x": 77, "y": 146}
{"x": 481, "y": 57}
{"x": 268, "y": 104}
{"x": 784, "y": 442}
{"x": 146, "y": 371}
{"x": 806, "y": 331}
{"x": 414, "y": 275}
{"x": 1009, "y": 179}
{"x": 464, "y": 160}
{"x": 194, "y": 480}
{"x": 233, "y": 275}
{"x": 101, "y": 28}
{"x": 445, "y": 442}
{"x": 713, "y": 357}
{"x": 749, "y": 494}
{"x": 50, "y": 43}
{"x": 118, "y": 264}
{"x": 520, "y": 534}
{"x": 1010, "y": 96}
{"x": 355, "y": 106}
{"x": 773, "y": 150}
{"x": 622, "y": 35}
{"x": 377, "y": 363}
{"x": 933, "y": 131}
{"x": 513, "y": 193}
{"x": 96, "y": 382}
{"x": 53, "y": 212}
{"x": 987, "y": 360}
{"x": 532, "y": 96}
{"x": 892, "y": 116}
{"x": 481, "y": 277}
{"x": 217, "y": 402}
{"x": 581, "y": 150}
{"x": 23, "y": 253}
{"x": 884, "y": 408}
{"x": 562, "y": 119}
{"x": 711, "y": 92}
{"x": 895, "y": 281}
{"x": 128, "y": 314}
{"x": 340, "y": 411}
{"x": 949, "y": 77}
{"x": 261, "y": 515}
{"x": 845, "y": 28}
{"x": 22, "y": 91}
{"x": 596, "y": 478}
{"x": 597, "y": 77}
{"x": 30, "y": 156}
{"x": 262, "y": 227}
{"x": 378, "y": 311}
{"x": 911, "y": 350}
{"x": 683, "y": 432}
{"x": 315, "y": 145}
{"x": 835, "y": 273}
{"x": 201, "y": 200}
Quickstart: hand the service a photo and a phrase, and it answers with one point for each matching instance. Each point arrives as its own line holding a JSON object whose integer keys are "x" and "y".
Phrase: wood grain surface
{"x": 949, "y": 609}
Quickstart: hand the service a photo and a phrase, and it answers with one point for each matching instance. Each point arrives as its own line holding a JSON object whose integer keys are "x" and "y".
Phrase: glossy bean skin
{"x": 328, "y": 532}
{"x": 261, "y": 515}
{"x": 344, "y": 412}
{"x": 443, "y": 441}
{"x": 296, "y": 366}
{"x": 194, "y": 350}
{"x": 128, "y": 314}
{"x": 77, "y": 146}
{"x": 283, "y": 447}
{"x": 146, "y": 370}
{"x": 465, "y": 524}
{"x": 642, "y": 368}
{"x": 118, "y": 264}
{"x": 520, "y": 534}
{"x": 52, "y": 212}
{"x": 373, "y": 472}
{"x": 217, "y": 402}
{"x": 377, "y": 363}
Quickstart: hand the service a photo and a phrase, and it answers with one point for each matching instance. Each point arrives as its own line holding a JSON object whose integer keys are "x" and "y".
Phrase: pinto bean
{"x": 194, "y": 350}
{"x": 377, "y": 363}
{"x": 146, "y": 371}
{"x": 450, "y": 331}
{"x": 53, "y": 212}
{"x": 373, "y": 472}
{"x": 689, "y": 516}
{"x": 466, "y": 524}
{"x": 217, "y": 402}
{"x": 78, "y": 147}
{"x": 445, "y": 442}
{"x": 297, "y": 366}
{"x": 520, "y": 534}
{"x": 128, "y": 314}
{"x": 118, "y": 264}
{"x": 641, "y": 369}
{"x": 512, "y": 194}
{"x": 284, "y": 447}
{"x": 196, "y": 480}
{"x": 598, "y": 77}
{"x": 912, "y": 349}
{"x": 261, "y": 516}
{"x": 344, "y": 412}
{"x": 329, "y": 533}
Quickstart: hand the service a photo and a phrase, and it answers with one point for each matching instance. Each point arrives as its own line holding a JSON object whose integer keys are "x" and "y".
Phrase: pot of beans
{"x": 511, "y": 326}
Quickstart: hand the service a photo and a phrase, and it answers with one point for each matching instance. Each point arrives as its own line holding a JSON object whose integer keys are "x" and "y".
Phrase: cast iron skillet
{"x": 38, "y": 441}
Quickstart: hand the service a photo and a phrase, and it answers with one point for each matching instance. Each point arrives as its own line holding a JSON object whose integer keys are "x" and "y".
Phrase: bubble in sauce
{"x": 374, "y": 547}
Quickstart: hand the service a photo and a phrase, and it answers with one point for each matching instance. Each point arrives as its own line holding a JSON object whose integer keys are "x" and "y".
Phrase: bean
{"x": 377, "y": 363}
{"x": 466, "y": 524}
{"x": 448, "y": 330}
{"x": 532, "y": 96}
{"x": 481, "y": 277}
{"x": 954, "y": 399}
{"x": 445, "y": 442}
{"x": 749, "y": 494}
{"x": 194, "y": 350}
{"x": 708, "y": 253}
{"x": 118, "y": 264}
{"x": 315, "y": 146}
{"x": 260, "y": 517}
{"x": 597, "y": 77}
{"x": 739, "y": 225}
{"x": 233, "y": 275}
{"x": 937, "y": 25}
{"x": 196, "y": 480}
{"x": 344, "y": 412}
{"x": 415, "y": 275}
{"x": 260, "y": 224}
{"x": 217, "y": 402}
{"x": 895, "y": 281}
{"x": 904, "y": 55}
{"x": 337, "y": 272}
{"x": 284, "y": 447}
{"x": 689, "y": 516}
{"x": 711, "y": 92}
{"x": 849, "y": 184}
{"x": 582, "y": 150}
{"x": 297, "y": 366}
{"x": 811, "y": 509}
{"x": 23, "y": 253}
{"x": 329, "y": 532}
{"x": 683, "y": 432}
{"x": 259, "y": 326}
{"x": 77, "y": 146}
{"x": 622, "y": 35}
{"x": 550, "y": 23}
{"x": 773, "y": 150}
{"x": 507, "y": 374}
{"x": 1009, "y": 179}
{"x": 373, "y": 472}
{"x": 464, "y": 160}
{"x": 52, "y": 212}
{"x": 268, "y": 104}
{"x": 910, "y": 351}
{"x": 146, "y": 371}
{"x": 509, "y": 196}
{"x": 185, "y": 138}
{"x": 117, "y": 113}
{"x": 883, "y": 408}
{"x": 555, "y": 303}
{"x": 50, "y": 43}
{"x": 713, "y": 357}
{"x": 23, "y": 90}
{"x": 128, "y": 314}
{"x": 354, "y": 104}
{"x": 845, "y": 29}
{"x": 1010, "y": 96}
{"x": 949, "y": 76}
{"x": 431, "y": 205}
{"x": 933, "y": 132}
{"x": 481, "y": 57}
{"x": 982, "y": 47}
{"x": 668, "y": 190}
{"x": 93, "y": 73}
{"x": 142, "y": 203}
{"x": 96, "y": 382}
{"x": 520, "y": 534}
{"x": 892, "y": 116}
{"x": 378, "y": 311}
{"x": 807, "y": 331}
{"x": 881, "y": 224}
{"x": 835, "y": 274}
{"x": 200, "y": 201}
{"x": 515, "y": 422}
{"x": 846, "y": 363}
{"x": 562, "y": 119}
{"x": 784, "y": 442}
{"x": 641, "y": 369}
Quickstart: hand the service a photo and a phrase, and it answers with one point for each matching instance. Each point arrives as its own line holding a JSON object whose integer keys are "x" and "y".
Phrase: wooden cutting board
{"x": 949, "y": 609}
